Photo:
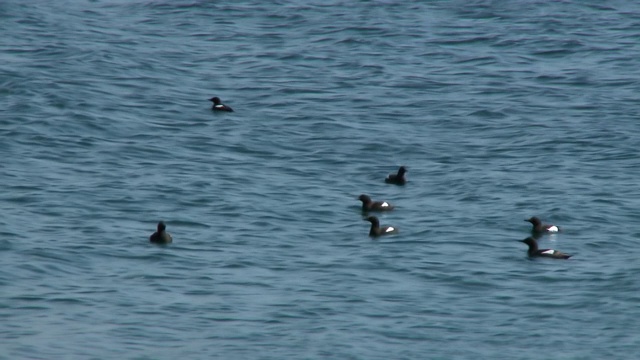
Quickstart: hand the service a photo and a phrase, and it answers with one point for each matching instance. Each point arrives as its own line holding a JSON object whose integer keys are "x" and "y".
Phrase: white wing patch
{"x": 389, "y": 229}
{"x": 219, "y": 106}
{"x": 384, "y": 204}
{"x": 553, "y": 228}
{"x": 550, "y": 252}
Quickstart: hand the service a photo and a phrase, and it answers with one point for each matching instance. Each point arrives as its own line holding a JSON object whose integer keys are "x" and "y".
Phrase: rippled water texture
{"x": 500, "y": 110}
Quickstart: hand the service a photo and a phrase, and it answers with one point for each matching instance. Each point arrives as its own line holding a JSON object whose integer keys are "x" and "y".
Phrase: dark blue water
{"x": 500, "y": 110}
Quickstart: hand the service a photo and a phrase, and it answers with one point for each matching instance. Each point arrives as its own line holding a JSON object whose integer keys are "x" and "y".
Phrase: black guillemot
{"x": 219, "y": 106}
{"x": 376, "y": 229}
{"x": 535, "y": 252}
{"x": 370, "y": 205}
{"x": 160, "y": 236}
{"x": 398, "y": 178}
{"x": 540, "y": 228}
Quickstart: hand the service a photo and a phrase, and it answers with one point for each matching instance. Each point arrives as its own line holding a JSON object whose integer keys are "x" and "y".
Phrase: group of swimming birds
{"x": 161, "y": 236}
{"x": 376, "y": 230}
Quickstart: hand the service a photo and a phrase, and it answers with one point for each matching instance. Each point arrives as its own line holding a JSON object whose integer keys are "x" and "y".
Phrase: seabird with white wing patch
{"x": 218, "y": 105}
{"x": 377, "y": 230}
{"x": 370, "y": 205}
{"x": 540, "y": 228}
{"x": 550, "y": 253}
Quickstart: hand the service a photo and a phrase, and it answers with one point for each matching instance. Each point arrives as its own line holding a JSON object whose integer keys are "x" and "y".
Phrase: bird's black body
{"x": 376, "y": 230}
{"x": 399, "y": 178}
{"x": 370, "y": 205}
{"x": 161, "y": 236}
{"x": 550, "y": 253}
{"x": 219, "y": 106}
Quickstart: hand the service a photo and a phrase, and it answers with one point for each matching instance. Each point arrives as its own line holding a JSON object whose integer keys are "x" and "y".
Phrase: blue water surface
{"x": 500, "y": 110}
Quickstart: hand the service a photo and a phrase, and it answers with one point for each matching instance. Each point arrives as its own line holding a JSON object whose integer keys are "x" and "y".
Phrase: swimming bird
{"x": 161, "y": 236}
{"x": 535, "y": 252}
{"x": 540, "y": 228}
{"x": 376, "y": 229}
{"x": 398, "y": 178}
{"x": 370, "y": 205}
{"x": 218, "y": 105}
